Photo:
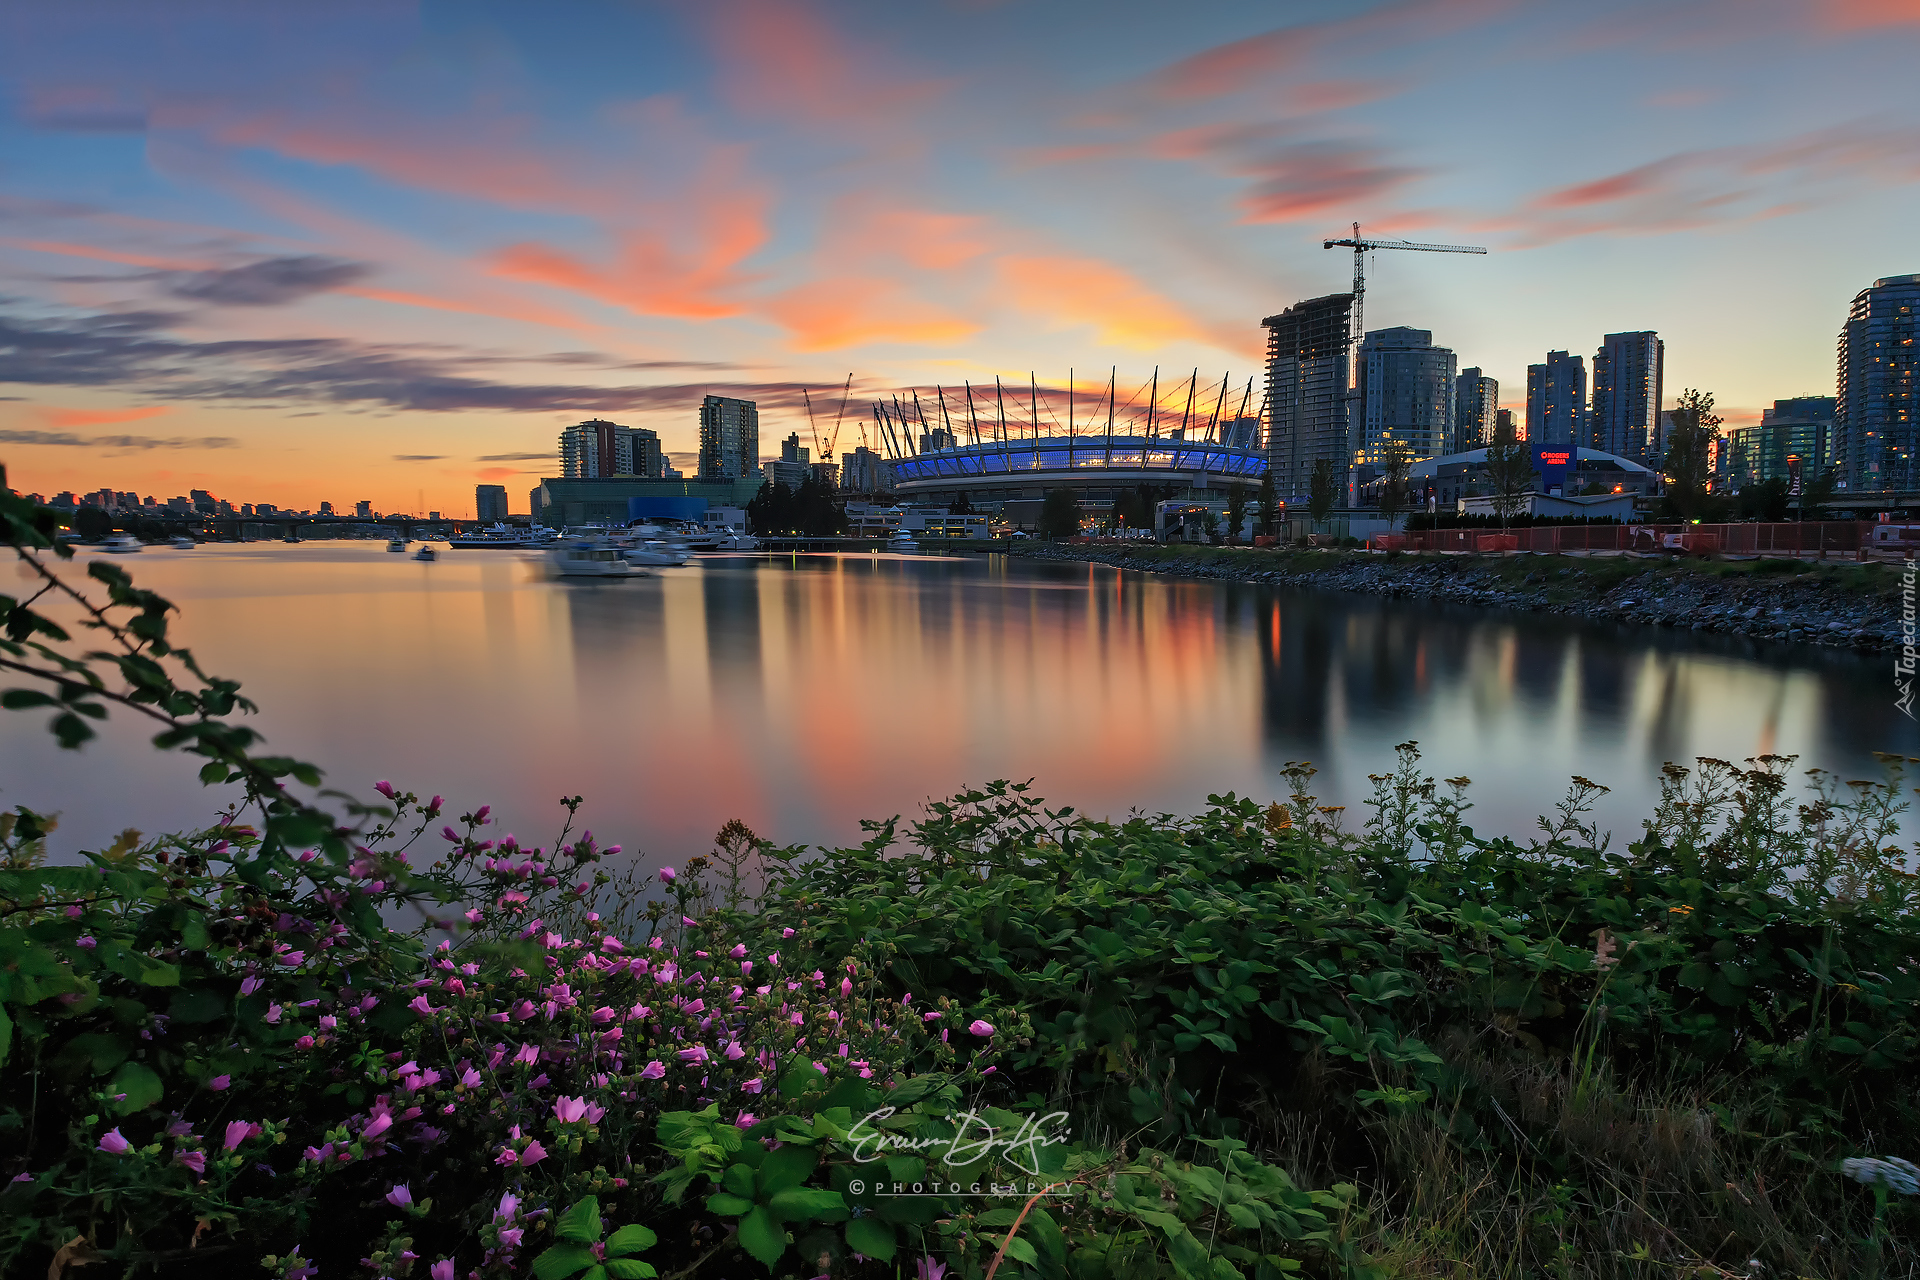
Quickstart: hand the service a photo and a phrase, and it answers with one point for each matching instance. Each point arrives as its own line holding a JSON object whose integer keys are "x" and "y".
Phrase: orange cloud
{"x": 1085, "y": 291}
{"x": 719, "y": 221}
{"x": 100, "y": 417}
{"x": 846, "y": 310}
{"x": 1859, "y": 15}
{"x": 499, "y": 473}
{"x": 106, "y": 255}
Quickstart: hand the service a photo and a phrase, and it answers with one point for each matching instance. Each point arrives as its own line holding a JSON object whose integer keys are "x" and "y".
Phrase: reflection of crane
{"x": 1360, "y": 247}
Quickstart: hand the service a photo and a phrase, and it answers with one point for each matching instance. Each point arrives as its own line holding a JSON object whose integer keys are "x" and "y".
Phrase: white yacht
{"x": 902, "y": 541}
{"x": 653, "y": 551}
{"x": 181, "y": 542}
{"x": 736, "y": 542}
{"x": 424, "y": 553}
{"x": 123, "y": 544}
{"x": 589, "y": 558}
{"x": 498, "y": 536}
{"x": 396, "y": 544}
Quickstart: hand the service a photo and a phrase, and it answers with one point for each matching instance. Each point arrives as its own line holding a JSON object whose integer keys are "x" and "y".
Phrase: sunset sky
{"x": 305, "y": 252}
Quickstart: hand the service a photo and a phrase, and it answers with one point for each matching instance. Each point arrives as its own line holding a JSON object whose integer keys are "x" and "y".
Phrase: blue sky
{"x": 384, "y": 251}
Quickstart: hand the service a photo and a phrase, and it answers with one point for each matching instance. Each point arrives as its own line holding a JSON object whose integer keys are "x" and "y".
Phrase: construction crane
{"x": 823, "y": 451}
{"x": 1360, "y": 248}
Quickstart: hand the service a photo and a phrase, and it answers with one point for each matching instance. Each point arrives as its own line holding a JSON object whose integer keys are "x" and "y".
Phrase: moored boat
{"x": 589, "y": 558}
{"x": 123, "y": 544}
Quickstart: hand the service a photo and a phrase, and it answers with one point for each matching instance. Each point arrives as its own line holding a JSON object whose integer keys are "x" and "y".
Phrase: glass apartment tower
{"x": 1405, "y": 399}
{"x": 1625, "y": 416}
{"x": 1557, "y": 400}
{"x": 1875, "y": 435}
{"x": 1476, "y": 401}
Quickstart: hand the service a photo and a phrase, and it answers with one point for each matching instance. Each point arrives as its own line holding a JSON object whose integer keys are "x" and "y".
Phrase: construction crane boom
{"x": 1360, "y": 246}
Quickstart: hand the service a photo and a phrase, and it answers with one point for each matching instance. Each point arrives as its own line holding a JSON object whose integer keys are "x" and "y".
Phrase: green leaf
{"x": 1020, "y": 1251}
{"x": 787, "y": 1167}
{"x": 761, "y": 1236}
{"x": 6, "y": 1034}
{"x": 630, "y": 1269}
{"x": 871, "y": 1237}
{"x": 563, "y": 1260}
{"x": 140, "y": 1085}
{"x": 728, "y": 1205}
{"x": 808, "y": 1204}
{"x": 739, "y": 1180}
{"x": 21, "y": 699}
{"x": 581, "y": 1222}
{"x": 197, "y": 1004}
{"x": 630, "y": 1239}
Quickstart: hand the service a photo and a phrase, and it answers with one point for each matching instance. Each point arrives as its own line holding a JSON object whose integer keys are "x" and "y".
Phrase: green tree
{"x": 1395, "y": 463}
{"x": 1689, "y": 453}
{"x": 1236, "y": 511}
{"x": 1320, "y": 491}
{"x": 1509, "y": 472}
{"x": 92, "y": 523}
{"x": 817, "y": 512}
{"x": 1269, "y": 508}
{"x": 1060, "y": 514}
{"x": 771, "y": 510}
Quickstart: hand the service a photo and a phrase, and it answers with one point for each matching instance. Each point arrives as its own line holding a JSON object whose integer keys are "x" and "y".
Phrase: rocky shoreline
{"x": 1844, "y": 606}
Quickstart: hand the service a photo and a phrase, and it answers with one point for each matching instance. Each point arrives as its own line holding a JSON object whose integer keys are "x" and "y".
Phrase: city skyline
{"x": 395, "y": 251}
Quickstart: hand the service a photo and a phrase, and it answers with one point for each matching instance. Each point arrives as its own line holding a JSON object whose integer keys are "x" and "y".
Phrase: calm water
{"x": 802, "y": 694}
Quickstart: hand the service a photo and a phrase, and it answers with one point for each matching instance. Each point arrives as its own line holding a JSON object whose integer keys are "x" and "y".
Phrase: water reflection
{"x": 804, "y": 693}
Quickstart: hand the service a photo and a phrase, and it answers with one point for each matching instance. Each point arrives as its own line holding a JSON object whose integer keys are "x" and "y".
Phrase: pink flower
{"x": 534, "y": 1153}
{"x": 400, "y": 1197}
{"x": 219, "y": 1082}
{"x": 510, "y": 1236}
{"x": 981, "y": 1028}
{"x": 568, "y": 1110}
{"x": 113, "y": 1144}
{"x": 666, "y": 875}
{"x": 377, "y": 1126}
{"x": 480, "y": 815}
{"x": 739, "y": 949}
{"x": 441, "y": 1270}
{"x": 786, "y": 933}
{"x": 420, "y": 1006}
{"x": 610, "y": 1036}
{"x": 238, "y": 1131}
{"x": 194, "y": 1160}
{"x": 927, "y": 1269}
{"x": 746, "y": 968}
{"x": 529, "y": 1054}
{"x": 846, "y": 986}
{"x": 734, "y": 1051}
{"x": 745, "y": 1120}
{"x": 384, "y": 787}
{"x": 249, "y": 985}
{"x": 773, "y": 958}
{"x": 509, "y": 1205}
{"x": 85, "y": 942}
{"x": 273, "y": 1015}
{"x": 696, "y": 1054}
{"x": 754, "y": 1085}
{"x": 654, "y": 1070}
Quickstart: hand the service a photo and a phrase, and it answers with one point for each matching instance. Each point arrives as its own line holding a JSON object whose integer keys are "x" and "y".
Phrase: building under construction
{"x": 1308, "y": 386}
{"x": 1013, "y": 444}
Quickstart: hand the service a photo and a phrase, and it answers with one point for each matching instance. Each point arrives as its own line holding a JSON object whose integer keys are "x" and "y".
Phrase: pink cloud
{"x": 846, "y": 311}
{"x": 100, "y": 417}
{"x": 1861, "y": 15}
{"x": 780, "y": 59}
{"x": 1070, "y": 292}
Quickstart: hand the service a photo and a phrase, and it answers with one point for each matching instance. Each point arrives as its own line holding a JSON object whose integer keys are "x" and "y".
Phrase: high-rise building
{"x": 1307, "y": 378}
{"x": 1625, "y": 414}
{"x": 363, "y": 509}
{"x": 1405, "y": 398}
{"x": 864, "y": 471}
{"x": 1503, "y": 421}
{"x": 326, "y": 508}
{"x": 790, "y": 468}
{"x": 1876, "y": 434}
{"x": 597, "y": 449}
{"x": 1239, "y": 432}
{"x": 1476, "y": 399}
{"x": 490, "y": 503}
{"x": 934, "y": 439}
{"x": 729, "y": 438}
{"x": 1799, "y": 428}
{"x": 1557, "y": 400}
